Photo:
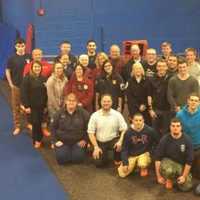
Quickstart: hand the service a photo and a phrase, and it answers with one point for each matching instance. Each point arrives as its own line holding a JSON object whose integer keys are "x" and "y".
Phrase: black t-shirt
{"x": 110, "y": 85}
{"x": 92, "y": 64}
{"x": 150, "y": 70}
{"x": 16, "y": 65}
{"x": 158, "y": 91}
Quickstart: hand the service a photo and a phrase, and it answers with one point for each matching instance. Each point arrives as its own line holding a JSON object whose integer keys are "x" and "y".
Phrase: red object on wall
{"x": 143, "y": 44}
{"x": 29, "y": 39}
{"x": 41, "y": 12}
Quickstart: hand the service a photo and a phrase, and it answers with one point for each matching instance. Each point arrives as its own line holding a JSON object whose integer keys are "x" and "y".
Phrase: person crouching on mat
{"x": 34, "y": 100}
{"x": 69, "y": 131}
{"x": 138, "y": 143}
{"x": 174, "y": 156}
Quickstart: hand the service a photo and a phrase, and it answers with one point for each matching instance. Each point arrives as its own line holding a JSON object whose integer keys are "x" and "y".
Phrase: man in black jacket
{"x": 159, "y": 107}
{"x": 69, "y": 130}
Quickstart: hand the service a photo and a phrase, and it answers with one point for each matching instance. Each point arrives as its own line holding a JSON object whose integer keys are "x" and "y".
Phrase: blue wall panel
{"x": 18, "y": 13}
{"x": 108, "y": 21}
{"x": 64, "y": 20}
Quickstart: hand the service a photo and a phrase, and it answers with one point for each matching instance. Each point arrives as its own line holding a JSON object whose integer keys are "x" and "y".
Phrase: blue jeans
{"x": 70, "y": 153}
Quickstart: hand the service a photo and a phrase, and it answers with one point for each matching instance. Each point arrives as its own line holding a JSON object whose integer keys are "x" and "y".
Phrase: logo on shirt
{"x": 114, "y": 82}
{"x": 182, "y": 148}
{"x": 142, "y": 139}
{"x": 62, "y": 116}
{"x": 85, "y": 87}
{"x": 82, "y": 87}
{"x": 27, "y": 61}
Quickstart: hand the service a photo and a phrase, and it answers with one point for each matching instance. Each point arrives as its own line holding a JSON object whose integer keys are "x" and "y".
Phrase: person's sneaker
{"x": 169, "y": 184}
{"x": 117, "y": 163}
{"x": 16, "y": 131}
{"x": 144, "y": 172}
{"x": 45, "y": 132}
{"x": 29, "y": 127}
{"x": 37, "y": 144}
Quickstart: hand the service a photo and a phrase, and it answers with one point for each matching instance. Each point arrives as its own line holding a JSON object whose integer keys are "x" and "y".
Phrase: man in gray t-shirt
{"x": 180, "y": 86}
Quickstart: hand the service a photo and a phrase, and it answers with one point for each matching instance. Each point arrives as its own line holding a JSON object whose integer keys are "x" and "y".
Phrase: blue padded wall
{"x": 17, "y": 13}
{"x": 64, "y": 20}
{"x": 108, "y": 21}
{"x": 7, "y": 35}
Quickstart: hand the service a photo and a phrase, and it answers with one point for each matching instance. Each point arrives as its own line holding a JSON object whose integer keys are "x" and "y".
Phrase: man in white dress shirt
{"x": 106, "y": 130}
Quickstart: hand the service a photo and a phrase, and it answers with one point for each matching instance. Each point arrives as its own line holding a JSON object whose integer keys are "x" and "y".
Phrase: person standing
{"x": 92, "y": 54}
{"x": 194, "y": 66}
{"x": 14, "y": 75}
{"x": 82, "y": 87}
{"x": 159, "y": 107}
{"x": 34, "y": 100}
{"x": 55, "y": 89}
{"x": 109, "y": 82}
{"x": 37, "y": 55}
{"x": 137, "y": 92}
{"x": 180, "y": 86}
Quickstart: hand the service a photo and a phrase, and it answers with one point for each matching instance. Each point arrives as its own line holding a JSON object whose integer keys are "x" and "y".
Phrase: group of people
{"x": 81, "y": 100}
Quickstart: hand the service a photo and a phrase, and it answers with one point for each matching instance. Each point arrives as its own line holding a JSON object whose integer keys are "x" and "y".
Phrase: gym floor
{"x": 85, "y": 182}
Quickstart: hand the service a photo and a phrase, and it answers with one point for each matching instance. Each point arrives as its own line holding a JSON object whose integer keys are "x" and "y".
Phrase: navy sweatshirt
{"x": 179, "y": 150}
{"x": 136, "y": 143}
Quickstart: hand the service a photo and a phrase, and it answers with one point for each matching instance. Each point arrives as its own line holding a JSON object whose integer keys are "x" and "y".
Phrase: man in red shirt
{"x": 37, "y": 55}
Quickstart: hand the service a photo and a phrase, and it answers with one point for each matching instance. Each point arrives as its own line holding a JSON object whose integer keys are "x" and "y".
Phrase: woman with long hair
{"x": 100, "y": 59}
{"x": 82, "y": 87}
{"x": 55, "y": 88}
{"x": 34, "y": 100}
{"x": 137, "y": 92}
{"x": 109, "y": 82}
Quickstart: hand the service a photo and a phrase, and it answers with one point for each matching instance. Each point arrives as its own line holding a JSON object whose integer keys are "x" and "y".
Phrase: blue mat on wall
{"x": 8, "y": 36}
{"x": 23, "y": 172}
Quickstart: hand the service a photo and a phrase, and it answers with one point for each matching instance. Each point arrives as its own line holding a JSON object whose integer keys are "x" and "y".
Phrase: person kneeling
{"x": 106, "y": 130}
{"x": 68, "y": 127}
{"x": 139, "y": 141}
{"x": 174, "y": 157}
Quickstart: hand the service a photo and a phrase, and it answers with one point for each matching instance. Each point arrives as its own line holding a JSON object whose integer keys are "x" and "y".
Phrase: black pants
{"x": 36, "y": 120}
{"x": 106, "y": 147}
{"x": 161, "y": 122}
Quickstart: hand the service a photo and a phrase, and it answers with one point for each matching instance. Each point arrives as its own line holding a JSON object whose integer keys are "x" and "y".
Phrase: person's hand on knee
{"x": 118, "y": 146}
{"x": 125, "y": 168}
{"x": 82, "y": 143}
{"x": 59, "y": 144}
{"x": 97, "y": 152}
{"x": 181, "y": 180}
{"x": 160, "y": 180}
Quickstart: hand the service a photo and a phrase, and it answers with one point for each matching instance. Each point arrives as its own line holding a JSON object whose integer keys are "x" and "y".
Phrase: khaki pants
{"x": 141, "y": 161}
{"x": 15, "y": 101}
